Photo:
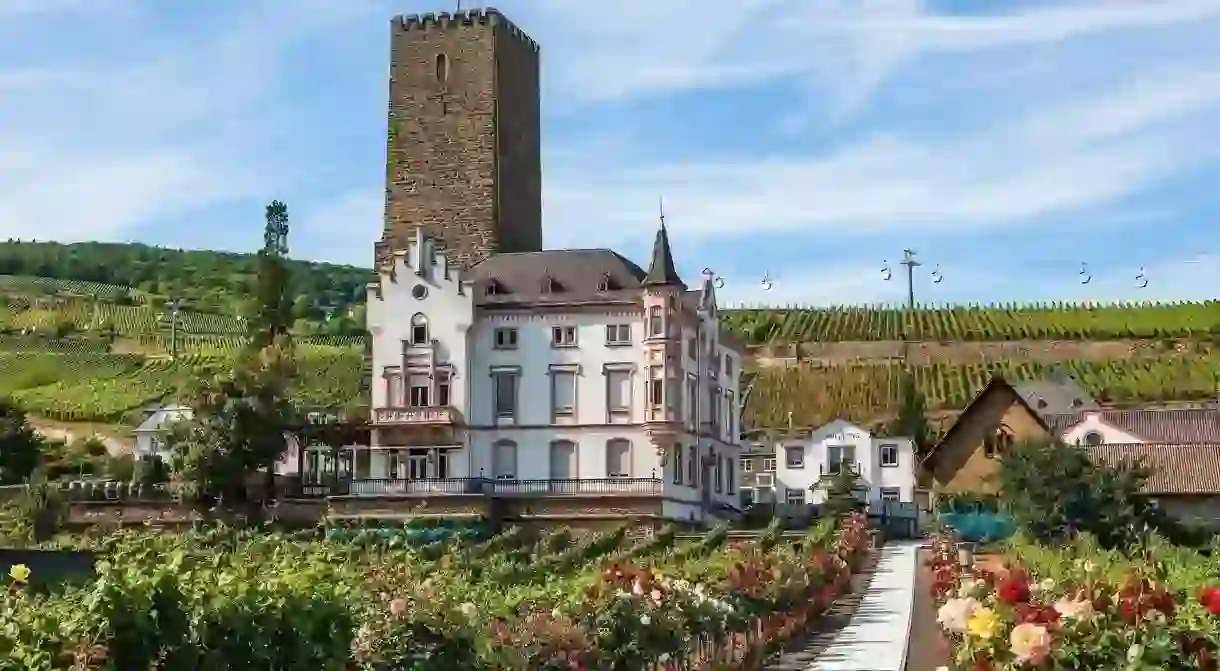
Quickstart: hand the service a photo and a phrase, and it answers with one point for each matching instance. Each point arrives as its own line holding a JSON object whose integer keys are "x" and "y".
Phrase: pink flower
{"x": 398, "y": 606}
{"x": 1030, "y": 643}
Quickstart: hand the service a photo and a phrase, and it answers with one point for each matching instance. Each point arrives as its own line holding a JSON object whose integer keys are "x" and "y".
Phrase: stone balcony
{"x": 439, "y": 415}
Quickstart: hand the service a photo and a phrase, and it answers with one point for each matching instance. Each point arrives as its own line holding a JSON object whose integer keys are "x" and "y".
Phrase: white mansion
{"x": 550, "y": 374}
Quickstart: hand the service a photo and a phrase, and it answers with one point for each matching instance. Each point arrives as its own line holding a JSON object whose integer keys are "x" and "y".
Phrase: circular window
{"x": 419, "y": 291}
{"x": 1093, "y": 438}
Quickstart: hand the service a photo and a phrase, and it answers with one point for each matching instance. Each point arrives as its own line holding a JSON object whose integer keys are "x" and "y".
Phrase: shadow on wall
{"x": 50, "y": 567}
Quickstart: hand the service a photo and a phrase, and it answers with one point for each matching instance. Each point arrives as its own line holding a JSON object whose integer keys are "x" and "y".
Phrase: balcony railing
{"x": 437, "y": 414}
{"x": 405, "y": 487}
{"x": 852, "y": 467}
{"x": 488, "y": 486}
{"x": 576, "y": 486}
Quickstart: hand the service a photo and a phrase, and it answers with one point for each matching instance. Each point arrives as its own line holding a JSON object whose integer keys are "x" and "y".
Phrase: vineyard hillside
{"x": 87, "y": 331}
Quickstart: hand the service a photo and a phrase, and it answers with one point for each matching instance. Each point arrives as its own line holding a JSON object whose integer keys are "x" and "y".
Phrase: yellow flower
{"x": 984, "y": 624}
{"x": 19, "y": 572}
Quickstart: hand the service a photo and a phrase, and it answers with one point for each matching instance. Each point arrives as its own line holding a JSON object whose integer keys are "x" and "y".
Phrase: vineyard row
{"x": 977, "y": 323}
{"x": 864, "y": 393}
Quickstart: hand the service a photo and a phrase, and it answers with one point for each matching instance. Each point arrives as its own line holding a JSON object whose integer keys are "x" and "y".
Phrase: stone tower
{"x": 463, "y": 158}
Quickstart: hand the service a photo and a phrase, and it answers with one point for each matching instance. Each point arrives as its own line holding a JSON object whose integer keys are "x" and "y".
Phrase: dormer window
{"x": 607, "y": 283}
{"x": 419, "y": 329}
{"x": 550, "y": 285}
{"x": 493, "y": 288}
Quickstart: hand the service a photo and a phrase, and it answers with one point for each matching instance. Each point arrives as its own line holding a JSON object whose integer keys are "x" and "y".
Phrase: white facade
{"x": 150, "y": 434}
{"x": 1093, "y": 431}
{"x": 886, "y": 466}
{"x": 545, "y": 372}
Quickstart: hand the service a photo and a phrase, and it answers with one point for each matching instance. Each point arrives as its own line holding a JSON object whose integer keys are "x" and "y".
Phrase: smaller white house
{"x": 150, "y": 434}
{"x": 885, "y": 468}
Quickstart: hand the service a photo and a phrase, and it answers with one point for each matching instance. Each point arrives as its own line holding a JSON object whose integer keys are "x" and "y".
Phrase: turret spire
{"x": 661, "y": 271}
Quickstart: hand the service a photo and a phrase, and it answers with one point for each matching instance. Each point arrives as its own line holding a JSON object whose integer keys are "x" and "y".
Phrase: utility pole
{"x": 909, "y": 261}
{"x": 174, "y": 312}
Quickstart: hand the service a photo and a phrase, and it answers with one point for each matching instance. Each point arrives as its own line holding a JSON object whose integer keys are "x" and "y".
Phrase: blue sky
{"x": 1007, "y": 143}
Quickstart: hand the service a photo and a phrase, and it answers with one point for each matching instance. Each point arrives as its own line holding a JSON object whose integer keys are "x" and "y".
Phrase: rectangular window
{"x": 692, "y": 399}
{"x": 679, "y": 464}
{"x": 419, "y": 333}
{"x": 419, "y": 391}
{"x": 563, "y": 460}
{"x": 656, "y": 387}
{"x": 505, "y": 394}
{"x": 393, "y": 386}
{"x": 889, "y": 455}
{"x": 656, "y": 326}
{"x": 747, "y": 465}
{"x": 718, "y": 474}
{"x": 747, "y": 497}
{"x": 563, "y": 393}
{"x": 692, "y": 467}
{"x": 794, "y": 497}
{"x": 769, "y": 465}
{"x": 730, "y": 479}
{"x": 618, "y": 459}
{"x": 730, "y": 417}
{"x": 728, "y": 365}
{"x": 563, "y": 336}
{"x": 794, "y": 457}
{"x": 692, "y": 348}
{"x": 442, "y": 389}
{"x": 891, "y": 494}
{"x": 504, "y": 460}
{"x": 505, "y": 338}
{"x": 618, "y": 334}
{"x": 618, "y": 392}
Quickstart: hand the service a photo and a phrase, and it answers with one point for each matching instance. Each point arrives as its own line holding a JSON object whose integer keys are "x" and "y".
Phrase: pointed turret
{"x": 661, "y": 271}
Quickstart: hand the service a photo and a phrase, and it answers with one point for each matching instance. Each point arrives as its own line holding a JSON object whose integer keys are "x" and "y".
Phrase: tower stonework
{"x": 463, "y": 158}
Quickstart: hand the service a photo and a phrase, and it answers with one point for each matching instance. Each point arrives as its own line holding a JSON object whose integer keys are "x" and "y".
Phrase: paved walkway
{"x": 876, "y": 637}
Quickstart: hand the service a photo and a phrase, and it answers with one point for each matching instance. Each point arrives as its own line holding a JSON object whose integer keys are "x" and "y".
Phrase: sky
{"x": 1012, "y": 145}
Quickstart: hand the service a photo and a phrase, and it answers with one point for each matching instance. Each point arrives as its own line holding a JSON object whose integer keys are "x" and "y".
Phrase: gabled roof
{"x": 1176, "y": 468}
{"x": 161, "y": 417}
{"x": 1154, "y": 425}
{"x": 837, "y": 425}
{"x": 997, "y": 383}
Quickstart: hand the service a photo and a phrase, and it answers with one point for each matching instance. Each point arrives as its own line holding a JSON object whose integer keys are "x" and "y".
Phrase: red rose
{"x": 1013, "y": 589}
{"x": 1213, "y": 601}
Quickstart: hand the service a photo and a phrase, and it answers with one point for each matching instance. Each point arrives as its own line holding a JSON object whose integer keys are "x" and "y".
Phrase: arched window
{"x": 419, "y": 329}
{"x": 1093, "y": 438}
{"x": 442, "y": 68}
{"x": 618, "y": 458}
{"x": 998, "y": 442}
{"x": 563, "y": 460}
{"x": 504, "y": 460}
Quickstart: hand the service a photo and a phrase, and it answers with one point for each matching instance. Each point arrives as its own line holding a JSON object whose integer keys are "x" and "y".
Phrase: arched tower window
{"x": 419, "y": 329}
{"x": 442, "y": 68}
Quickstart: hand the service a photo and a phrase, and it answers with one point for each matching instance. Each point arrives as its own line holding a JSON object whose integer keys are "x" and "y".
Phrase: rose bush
{"x": 210, "y": 600}
{"x": 1078, "y": 607}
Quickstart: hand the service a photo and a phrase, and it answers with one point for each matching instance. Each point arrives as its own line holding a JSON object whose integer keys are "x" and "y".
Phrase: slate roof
{"x": 997, "y": 383}
{"x": 1156, "y": 425}
{"x": 661, "y": 271}
{"x": 557, "y": 277}
{"x": 1056, "y": 394}
{"x": 1176, "y": 468}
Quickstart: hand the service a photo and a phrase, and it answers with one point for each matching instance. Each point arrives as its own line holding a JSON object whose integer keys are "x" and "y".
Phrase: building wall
{"x": 462, "y": 157}
{"x": 815, "y": 463}
{"x": 535, "y": 356}
{"x": 1091, "y": 423}
{"x": 1195, "y": 508}
{"x": 448, "y": 307}
{"x": 960, "y": 461}
{"x": 534, "y": 455}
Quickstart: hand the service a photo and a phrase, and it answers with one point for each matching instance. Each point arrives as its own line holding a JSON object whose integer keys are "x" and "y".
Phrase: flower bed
{"x": 509, "y": 602}
{"x": 1079, "y": 608}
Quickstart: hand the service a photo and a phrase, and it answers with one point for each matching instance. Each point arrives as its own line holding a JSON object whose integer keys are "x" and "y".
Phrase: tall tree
{"x": 273, "y": 310}
{"x": 21, "y": 448}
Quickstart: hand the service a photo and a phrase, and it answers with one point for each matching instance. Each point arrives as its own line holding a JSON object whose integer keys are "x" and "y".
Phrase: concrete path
{"x": 876, "y": 637}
